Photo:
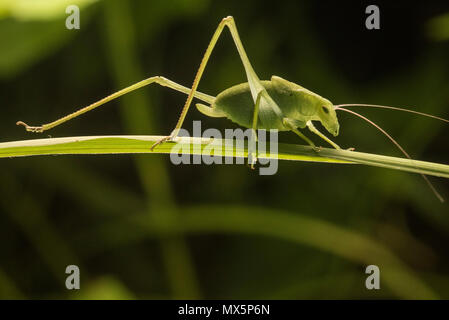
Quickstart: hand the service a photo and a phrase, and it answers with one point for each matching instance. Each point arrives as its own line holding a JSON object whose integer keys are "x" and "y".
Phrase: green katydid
{"x": 271, "y": 104}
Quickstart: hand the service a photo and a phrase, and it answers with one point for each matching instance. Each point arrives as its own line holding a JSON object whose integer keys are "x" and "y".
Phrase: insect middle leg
{"x": 293, "y": 127}
{"x": 252, "y": 154}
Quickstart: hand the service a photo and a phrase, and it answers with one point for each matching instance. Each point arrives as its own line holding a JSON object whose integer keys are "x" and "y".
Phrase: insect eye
{"x": 325, "y": 109}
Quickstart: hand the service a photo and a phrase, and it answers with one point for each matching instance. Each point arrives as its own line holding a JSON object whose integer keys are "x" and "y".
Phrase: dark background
{"x": 307, "y": 232}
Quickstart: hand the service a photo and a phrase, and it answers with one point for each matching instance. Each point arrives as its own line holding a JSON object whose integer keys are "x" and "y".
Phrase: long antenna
{"x": 391, "y": 108}
{"x": 395, "y": 143}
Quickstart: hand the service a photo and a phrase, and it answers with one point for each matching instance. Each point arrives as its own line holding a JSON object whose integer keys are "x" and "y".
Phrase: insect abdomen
{"x": 238, "y": 106}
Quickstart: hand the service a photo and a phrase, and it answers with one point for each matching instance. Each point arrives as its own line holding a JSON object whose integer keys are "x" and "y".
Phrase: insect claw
{"x": 29, "y": 128}
{"x": 252, "y": 165}
{"x": 317, "y": 149}
{"x": 252, "y": 160}
{"x": 350, "y": 149}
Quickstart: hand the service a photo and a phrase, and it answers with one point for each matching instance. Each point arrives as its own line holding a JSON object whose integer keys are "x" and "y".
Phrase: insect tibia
{"x": 28, "y": 128}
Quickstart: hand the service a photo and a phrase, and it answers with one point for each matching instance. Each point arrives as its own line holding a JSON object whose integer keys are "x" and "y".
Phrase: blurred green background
{"x": 140, "y": 227}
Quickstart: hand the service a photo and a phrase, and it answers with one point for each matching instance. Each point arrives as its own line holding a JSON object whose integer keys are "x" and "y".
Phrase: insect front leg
{"x": 322, "y": 136}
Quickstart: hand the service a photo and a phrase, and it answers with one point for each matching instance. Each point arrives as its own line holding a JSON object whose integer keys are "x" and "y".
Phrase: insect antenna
{"x": 391, "y": 108}
{"x": 339, "y": 107}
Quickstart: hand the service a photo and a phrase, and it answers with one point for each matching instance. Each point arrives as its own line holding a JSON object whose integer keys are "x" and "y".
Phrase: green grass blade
{"x": 141, "y": 144}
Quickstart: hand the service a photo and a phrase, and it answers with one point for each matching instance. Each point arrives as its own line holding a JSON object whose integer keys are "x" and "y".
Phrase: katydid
{"x": 271, "y": 104}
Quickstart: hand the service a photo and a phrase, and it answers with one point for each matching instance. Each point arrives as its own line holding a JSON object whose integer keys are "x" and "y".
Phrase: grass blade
{"x": 141, "y": 144}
